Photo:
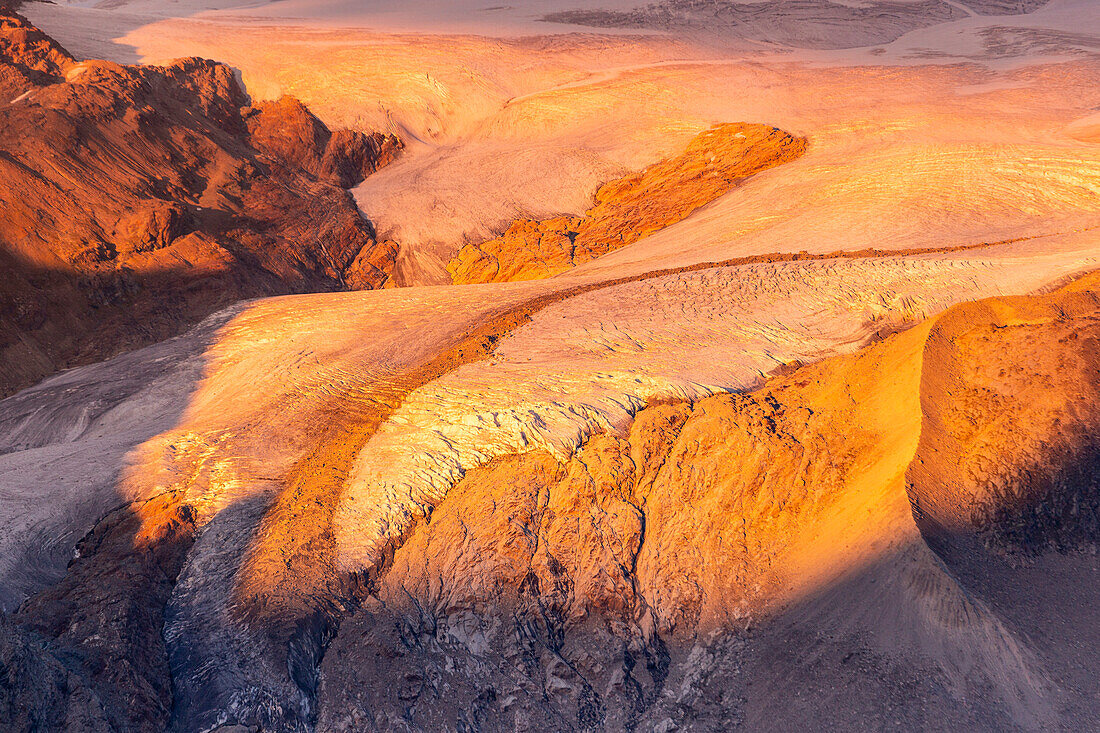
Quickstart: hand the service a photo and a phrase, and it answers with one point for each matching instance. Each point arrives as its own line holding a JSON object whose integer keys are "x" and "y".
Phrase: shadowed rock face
{"x": 629, "y": 208}
{"x": 41, "y": 693}
{"x": 138, "y": 199}
{"x": 988, "y": 399}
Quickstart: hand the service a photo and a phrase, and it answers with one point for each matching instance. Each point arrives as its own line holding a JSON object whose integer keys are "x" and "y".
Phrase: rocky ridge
{"x": 139, "y": 199}
{"x": 629, "y": 208}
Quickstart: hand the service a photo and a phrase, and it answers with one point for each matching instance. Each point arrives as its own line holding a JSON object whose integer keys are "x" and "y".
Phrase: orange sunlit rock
{"x": 629, "y": 208}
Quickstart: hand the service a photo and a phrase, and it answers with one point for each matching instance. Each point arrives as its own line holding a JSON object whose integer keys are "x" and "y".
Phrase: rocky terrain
{"x": 629, "y": 208}
{"x": 139, "y": 199}
{"x": 654, "y": 577}
{"x": 577, "y": 406}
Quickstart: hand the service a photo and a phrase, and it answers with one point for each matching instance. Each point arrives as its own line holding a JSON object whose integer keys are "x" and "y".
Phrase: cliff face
{"x": 744, "y": 559}
{"x": 629, "y": 208}
{"x": 138, "y": 199}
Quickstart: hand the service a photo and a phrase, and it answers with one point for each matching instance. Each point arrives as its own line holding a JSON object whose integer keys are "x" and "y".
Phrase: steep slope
{"x": 629, "y": 208}
{"x": 985, "y": 398}
{"x": 139, "y": 199}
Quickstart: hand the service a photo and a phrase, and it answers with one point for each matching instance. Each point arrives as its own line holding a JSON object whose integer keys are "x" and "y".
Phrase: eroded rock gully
{"x": 629, "y": 208}
{"x": 139, "y": 199}
{"x": 746, "y": 560}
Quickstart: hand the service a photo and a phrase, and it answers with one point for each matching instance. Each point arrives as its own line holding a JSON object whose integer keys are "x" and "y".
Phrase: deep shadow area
{"x": 63, "y": 445}
{"x": 86, "y": 652}
{"x": 103, "y": 623}
{"x": 894, "y": 645}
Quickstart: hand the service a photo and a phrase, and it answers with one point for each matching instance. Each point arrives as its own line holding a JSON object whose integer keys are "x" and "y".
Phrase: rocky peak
{"x": 28, "y": 57}
{"x": 287, "y": 129}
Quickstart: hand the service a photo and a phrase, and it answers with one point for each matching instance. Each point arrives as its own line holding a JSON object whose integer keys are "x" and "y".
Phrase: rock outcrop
{"x": 629, "y": 208}
{"x": 138, "y": 199}
{"x": 287, "y": 130}
{"x": 983, "y": 399}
